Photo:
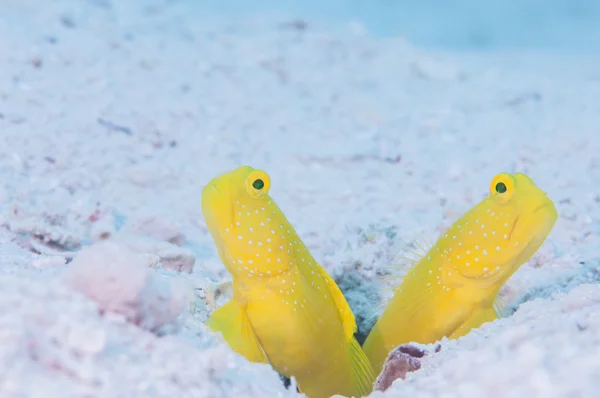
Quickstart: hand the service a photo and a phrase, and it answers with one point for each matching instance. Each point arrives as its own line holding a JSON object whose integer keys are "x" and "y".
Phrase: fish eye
{"x": 258, "y": 184}
{"x": 500, "y": 187}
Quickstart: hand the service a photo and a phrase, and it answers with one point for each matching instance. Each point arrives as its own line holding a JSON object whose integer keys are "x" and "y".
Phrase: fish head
{"x": 503, "y": 231}
{"x": 251, "y": 234}
{"x": 528, "y": 211}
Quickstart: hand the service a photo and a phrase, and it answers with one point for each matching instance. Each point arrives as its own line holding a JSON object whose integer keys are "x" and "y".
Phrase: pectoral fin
{"x": 476, "y": 320}
{"x": 232, "y": 322}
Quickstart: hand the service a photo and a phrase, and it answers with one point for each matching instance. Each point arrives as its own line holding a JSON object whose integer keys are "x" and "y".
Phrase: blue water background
{"x": 562, "y": 25}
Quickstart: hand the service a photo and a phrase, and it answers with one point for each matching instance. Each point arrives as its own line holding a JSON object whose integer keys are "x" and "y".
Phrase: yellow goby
{"x": 454, "y": 287}
{"x": 286, "y": 310}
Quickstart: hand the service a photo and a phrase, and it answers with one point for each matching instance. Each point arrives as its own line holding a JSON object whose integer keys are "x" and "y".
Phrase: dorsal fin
{"x": 411, "y": 253}
{"x": 363, "y": 374}
{"x": 342, "y": 305}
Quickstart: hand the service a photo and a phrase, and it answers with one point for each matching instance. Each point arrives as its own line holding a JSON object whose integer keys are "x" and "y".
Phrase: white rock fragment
{"x": 181, "y": 262}
{"x": 81, "y": 338}
{"x": 109, "y": 274}
{"x": 102, "y": 229}
{"x": 45, "y": 262}
{"x": 45, "y": 232}
{"x": 171, "y": 256}
{"x": 156, "y": 227}
{"x": 142, "y": 175}
{"x": 119, "y": 281}
{"x": 165, "y": 299}
{"x": 152, "y": 260}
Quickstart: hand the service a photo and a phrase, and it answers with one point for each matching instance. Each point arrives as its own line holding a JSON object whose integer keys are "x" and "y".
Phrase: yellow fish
{"x": 454, "y": 286}
{"x": 286, "y": 310}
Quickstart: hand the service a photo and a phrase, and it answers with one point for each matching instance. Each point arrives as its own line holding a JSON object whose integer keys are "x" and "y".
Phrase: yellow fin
{"x": 363, "y": 373}
{"x": 342, "y": 305}
{"x": 233, "y": 323}
{"x": 412, "y": 252}
{"x": 474, "y": 322}
{"x": 503, "y": 303}
{"x": 501, "y": 308}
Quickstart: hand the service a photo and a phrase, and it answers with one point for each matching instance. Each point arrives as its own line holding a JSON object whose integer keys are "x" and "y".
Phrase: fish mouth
{"x": 538, "y": 209}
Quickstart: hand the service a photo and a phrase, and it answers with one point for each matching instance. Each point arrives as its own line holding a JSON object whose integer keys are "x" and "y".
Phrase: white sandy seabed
{"x": 110, "y": 127}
